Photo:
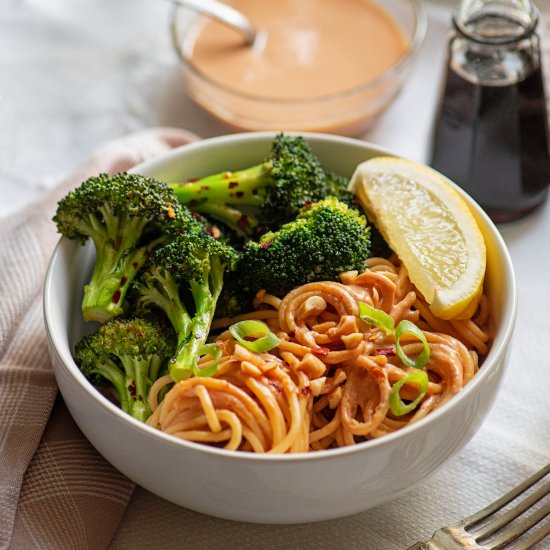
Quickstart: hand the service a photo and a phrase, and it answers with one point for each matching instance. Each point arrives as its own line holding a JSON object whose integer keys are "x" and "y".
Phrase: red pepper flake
{"x": 233, "y": 184}
{"x": 265, "y": 245}
{"x": 123, "y": 281}
{"x": 135, "y": 265}
{"x": 205, "y": 187}
{"x": 306, "y": 390}
{"x": 292, "y": 333}
{"x": 171, "y": 212}
{"x": 116, "y": 296}
{"x": 239, "y": 194}
{"x": 243, "y": 221}
{"x": 118, "y": 241}
{"x": 388, "y": 352}
{"x": 181, "y": 230}
{"x": 320, "y": 351}
{"x": 197, "y": 215}
{"x": 191, "y": 180}
{"x": 254, "y": 191}
{"x": 307, "y": 204}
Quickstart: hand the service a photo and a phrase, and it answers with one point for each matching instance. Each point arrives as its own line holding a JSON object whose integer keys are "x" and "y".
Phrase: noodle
{"x": 328, "y": 382}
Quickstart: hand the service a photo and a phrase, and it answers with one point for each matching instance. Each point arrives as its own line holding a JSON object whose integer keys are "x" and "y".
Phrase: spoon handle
{"x": 223, "y": 13}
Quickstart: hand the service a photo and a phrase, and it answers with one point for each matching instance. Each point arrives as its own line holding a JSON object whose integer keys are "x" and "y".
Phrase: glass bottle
{"x": 491, "y": 134}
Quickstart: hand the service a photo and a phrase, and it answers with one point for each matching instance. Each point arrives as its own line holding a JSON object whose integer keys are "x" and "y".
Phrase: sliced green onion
{"x": 375, "y": 317}
{"x": 265, "y": 339}
{"x": 418, "y": 362}
{"x": 417, "y": 377}
{"x": 215, "y": 352}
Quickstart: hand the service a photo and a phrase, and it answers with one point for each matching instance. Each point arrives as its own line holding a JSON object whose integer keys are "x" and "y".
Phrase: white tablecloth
{"x": 76, "y": 73}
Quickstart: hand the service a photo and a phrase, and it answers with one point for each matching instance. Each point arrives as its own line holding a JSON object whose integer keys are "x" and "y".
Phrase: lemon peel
{"x": 431, "y": 229}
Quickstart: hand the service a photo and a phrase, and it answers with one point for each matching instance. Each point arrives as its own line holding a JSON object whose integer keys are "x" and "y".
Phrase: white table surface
{"x": 76, "y": 73}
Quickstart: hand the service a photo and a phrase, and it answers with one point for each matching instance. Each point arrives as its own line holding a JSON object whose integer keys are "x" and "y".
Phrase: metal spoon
{"x": 223, "y": 13}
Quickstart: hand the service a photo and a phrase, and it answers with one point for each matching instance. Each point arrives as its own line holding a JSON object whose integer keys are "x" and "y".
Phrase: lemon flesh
{"x": 431, "y": 229}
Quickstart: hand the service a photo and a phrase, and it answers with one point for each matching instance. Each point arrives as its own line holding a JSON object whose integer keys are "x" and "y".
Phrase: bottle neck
{"x": 495, "y": 41}
{"x": 495, "y": 21}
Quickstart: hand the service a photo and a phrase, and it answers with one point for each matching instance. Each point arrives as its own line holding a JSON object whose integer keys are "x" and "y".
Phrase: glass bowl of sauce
{"x": 324, "y": 66}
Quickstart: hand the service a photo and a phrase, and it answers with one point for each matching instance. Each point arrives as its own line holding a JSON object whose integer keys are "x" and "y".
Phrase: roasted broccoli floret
{"x": 326, "y": 238}
{"x": 184, "y": 279}
{"x": 130, "y": 354}
{"x": 126, "y": 216}
{"x": 271, "y": 192}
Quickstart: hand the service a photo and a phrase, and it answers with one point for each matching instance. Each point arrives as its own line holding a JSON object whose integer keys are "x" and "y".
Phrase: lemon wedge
{"x": 431, "y": 229}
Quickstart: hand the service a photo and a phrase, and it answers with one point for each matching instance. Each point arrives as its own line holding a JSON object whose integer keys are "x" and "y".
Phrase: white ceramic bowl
{"x": 266, "y": 488}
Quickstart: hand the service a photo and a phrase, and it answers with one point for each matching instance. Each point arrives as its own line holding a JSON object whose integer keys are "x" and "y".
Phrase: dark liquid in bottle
{"x": 493, "y": 142}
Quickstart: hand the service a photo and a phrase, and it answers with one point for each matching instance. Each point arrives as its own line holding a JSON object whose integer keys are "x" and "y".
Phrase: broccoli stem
{"x": 117, "y": 263}
{"x": 242, "y": 187}
{"x": 242, "y": 224}
{"x": 164, "y": 294}
{"x": 215, "y": 279}
{"x": 205, "y": 303}
{"x": 105, "y": 293}
{"x": 143, "y": 371}
{"x": 111, "y": 372}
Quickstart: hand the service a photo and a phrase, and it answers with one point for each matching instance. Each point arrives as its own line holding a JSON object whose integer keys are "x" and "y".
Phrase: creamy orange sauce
{"x": 314, "y": 48}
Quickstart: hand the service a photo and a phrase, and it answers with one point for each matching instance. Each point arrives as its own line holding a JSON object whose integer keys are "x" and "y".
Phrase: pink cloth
{"x": 56, "y": 491}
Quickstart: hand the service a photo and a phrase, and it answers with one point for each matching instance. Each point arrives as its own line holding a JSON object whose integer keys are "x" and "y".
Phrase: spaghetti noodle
{"x": 329, "y": 380}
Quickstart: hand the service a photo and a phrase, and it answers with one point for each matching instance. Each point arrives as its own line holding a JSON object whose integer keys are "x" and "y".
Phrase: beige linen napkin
{"x": 56, "y": 491}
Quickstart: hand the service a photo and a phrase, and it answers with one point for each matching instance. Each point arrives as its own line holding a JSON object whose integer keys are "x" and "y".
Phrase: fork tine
{"x": 534, "y": 538}
{"x": 516, "y": 531}
{"x": 513, "y": 513}
{"x": 507, "y": 498}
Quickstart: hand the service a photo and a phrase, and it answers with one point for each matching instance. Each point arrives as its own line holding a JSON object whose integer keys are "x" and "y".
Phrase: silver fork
{"x": 489, "y": 530}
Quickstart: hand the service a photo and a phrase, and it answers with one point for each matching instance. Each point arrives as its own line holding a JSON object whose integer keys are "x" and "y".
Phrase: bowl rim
{"x": 57, "y": 335}
{"x": 418, "y": 36}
